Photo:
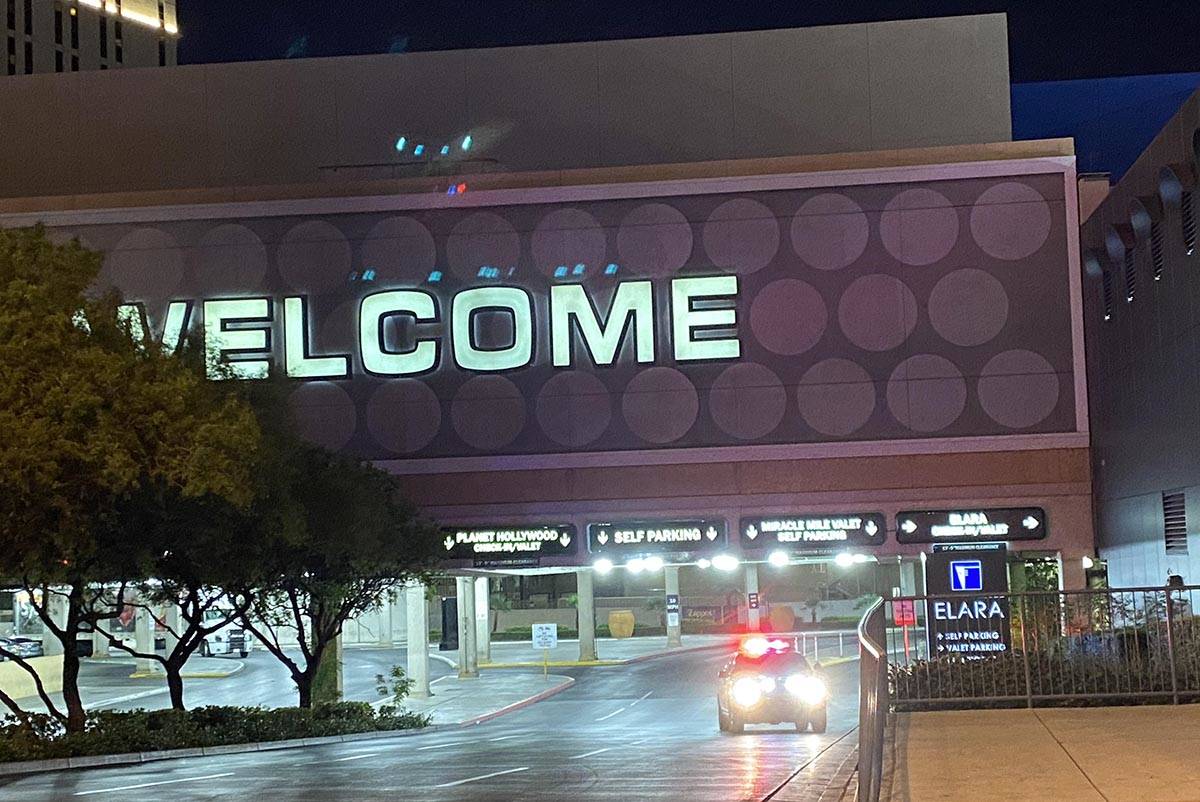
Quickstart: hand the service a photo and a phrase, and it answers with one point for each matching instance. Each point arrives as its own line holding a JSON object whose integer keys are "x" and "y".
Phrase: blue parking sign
{"x": 966, "y": 576}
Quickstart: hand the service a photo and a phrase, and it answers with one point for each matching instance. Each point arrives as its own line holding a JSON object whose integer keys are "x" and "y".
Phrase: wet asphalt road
{"x": 643, "y": 731}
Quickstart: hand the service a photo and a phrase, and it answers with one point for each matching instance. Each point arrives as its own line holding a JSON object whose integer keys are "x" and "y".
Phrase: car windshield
{"x": 772, "y": 662}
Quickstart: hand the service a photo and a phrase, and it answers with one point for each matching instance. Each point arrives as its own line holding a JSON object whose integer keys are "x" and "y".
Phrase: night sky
{"x": 1049, "y": 39}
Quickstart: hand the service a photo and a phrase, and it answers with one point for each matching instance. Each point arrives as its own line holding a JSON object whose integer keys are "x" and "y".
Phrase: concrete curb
{"x": 237, "y": 669}
{"x": 537, "y": 697}
{"x": 595, "y": 663}
{"x": 133, "y": 758}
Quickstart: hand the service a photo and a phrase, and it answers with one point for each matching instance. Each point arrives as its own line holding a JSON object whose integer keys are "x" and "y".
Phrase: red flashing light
{"x": 758, "y": 646}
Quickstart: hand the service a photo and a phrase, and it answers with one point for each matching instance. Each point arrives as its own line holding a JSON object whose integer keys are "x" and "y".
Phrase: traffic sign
{"x": 904, "y": 613}
{"x": 969, "y": 525}
{"x": 657, "y": 537}
{"x": 516, "y": 546}
{"x": 545, "y": 636}
{"x": 752, "y": 599}
{"x": 813, "y": 533}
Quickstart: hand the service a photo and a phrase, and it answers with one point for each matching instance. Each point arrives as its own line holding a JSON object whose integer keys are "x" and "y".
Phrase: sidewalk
{"x": 471, "y": 701}
{"x": 610, "y": 651}
{"x": 1109, "y": 754}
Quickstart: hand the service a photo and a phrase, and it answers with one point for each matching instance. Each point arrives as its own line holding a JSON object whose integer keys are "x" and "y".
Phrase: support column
{"x": 752, "y": 616}
{"x": 586, "y": 608}
{"x": 483, "y": 620}
{"x": 417, "y": 611}
{"x": 143, "y": 633}
{"x": 57, "y": 607}
{"x": 1071, "y": 575}
{"x": 387, "y": 620}
{"x": 674, "y": 630}
{"x": 468, "y": 665}
{"x": 100, "y": 643}
{"x": 908, "y": 578}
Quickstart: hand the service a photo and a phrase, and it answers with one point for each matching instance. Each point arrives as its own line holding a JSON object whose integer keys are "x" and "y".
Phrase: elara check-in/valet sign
{"x": 949, "y": 526}
{"x": 508, "y": 545}
{"x": 657, "y": 537}
{"x": 813, "y": 533}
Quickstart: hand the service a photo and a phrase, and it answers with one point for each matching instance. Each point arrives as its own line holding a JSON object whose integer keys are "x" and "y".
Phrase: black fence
{"x": 873, "y": 701}
{"x": 1138, "y": 645}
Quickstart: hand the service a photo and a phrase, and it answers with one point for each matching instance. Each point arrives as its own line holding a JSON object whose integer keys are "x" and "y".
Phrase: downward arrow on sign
{"x": 448, "y": 543}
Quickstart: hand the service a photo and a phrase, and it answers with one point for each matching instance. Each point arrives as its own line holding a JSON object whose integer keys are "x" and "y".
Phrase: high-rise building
{"x": 74, "y": 35}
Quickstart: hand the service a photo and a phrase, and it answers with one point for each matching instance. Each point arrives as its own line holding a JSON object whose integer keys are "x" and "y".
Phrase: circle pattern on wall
{"x": 1018, "y": 389}
{"x": 926, "y": 393}
{"x": 741, "y": 235}
{"x": 877, "y": 312}
{"x": 747, "y": 401}
{"x": 788, "y": 317}
{"x": 313, "y": 257}
{"x": 145, "y": 265}
{"x": 919, "y": 227}
{"x": 488, "y": 412}
{"x": 574, "y": 408}
{"x": 483, "y": 239}
{"x": 233, "y": 260}
{"x": 830, "y": 231}
{"x": 836, "y": 397}
{"x": 1007, "y": 207}
{"x": 660, "y": 405}
{"x": 404, "y": 415}
{"x": 566, "y": 238}
{"x": 968, "y": 307}
{"x": 654, "y": 239}
{"x": 323, "y": 414}
{"x": 399, "y": 248}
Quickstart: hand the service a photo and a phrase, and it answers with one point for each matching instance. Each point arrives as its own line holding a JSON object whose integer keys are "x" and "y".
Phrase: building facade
{"x": 627, "y": 299}
{"x": 1141, "y": 298}
{"x": 43, "y": 36}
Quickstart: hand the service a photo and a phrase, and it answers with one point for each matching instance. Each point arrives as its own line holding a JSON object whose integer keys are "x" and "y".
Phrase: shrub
{"x": 116, "y": 732}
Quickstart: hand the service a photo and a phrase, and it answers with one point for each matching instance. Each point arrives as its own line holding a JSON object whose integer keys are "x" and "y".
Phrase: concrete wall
{"x": 17, "y": 683}
{"x": 681, "y": 99}
{"x": 1144, "y": 360}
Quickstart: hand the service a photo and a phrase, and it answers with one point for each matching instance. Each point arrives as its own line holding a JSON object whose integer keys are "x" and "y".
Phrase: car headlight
{"x": 809, "y": 689}
{"x": 747, "y": 692}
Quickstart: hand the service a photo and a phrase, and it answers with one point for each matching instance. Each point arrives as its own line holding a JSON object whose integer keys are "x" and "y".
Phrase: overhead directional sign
{"x": 813, "y": 533}
{"x": 511, "y": 546}
{"x": 965, "y": 526}
{"x": 657, "y": 537}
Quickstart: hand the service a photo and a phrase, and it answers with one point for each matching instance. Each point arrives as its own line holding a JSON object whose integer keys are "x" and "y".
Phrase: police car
{"x": 767, "y": 682}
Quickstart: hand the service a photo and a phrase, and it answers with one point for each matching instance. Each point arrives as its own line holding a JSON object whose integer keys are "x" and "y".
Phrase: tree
{"x": 90, "y": 419}
{"x": 356, "y": 539}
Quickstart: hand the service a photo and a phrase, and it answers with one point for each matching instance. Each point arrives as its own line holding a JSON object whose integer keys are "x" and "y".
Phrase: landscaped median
{"x": 140, "y": 731}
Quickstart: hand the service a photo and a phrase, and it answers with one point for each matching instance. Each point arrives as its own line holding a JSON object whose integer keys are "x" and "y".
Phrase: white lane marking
{"x": 443, "y": 659}
{"x": 639, "y": 743}
{"x": 593, "y": 752}
{"x": 442, "y": 746}
{"x": 151, "y": 785}
{"x": 641, "y": 698}
{"x": 506, "y": 737}
{"x": 482, "y": 777}
{"x": 116, "y": 700}
{"x": 355, "y": 757}
{"x": 613, "y": 713}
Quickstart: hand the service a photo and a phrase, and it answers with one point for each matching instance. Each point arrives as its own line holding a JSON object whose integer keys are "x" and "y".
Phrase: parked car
{"x": 20, "y": 646}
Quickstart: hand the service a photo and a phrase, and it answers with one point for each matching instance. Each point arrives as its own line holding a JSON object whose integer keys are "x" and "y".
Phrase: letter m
{"x": 571, "y": 309}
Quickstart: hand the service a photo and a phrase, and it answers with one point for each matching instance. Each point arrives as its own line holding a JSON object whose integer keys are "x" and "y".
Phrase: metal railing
{"x": 873, "y": 701}
{"x": 1040, "y": 648}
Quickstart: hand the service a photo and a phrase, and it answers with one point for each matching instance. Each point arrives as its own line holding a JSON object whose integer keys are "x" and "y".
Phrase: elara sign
{"x": 240, "y": 333}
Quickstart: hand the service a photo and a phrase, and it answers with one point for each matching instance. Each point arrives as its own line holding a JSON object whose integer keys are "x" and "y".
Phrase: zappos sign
{"x": 540, "y": 327}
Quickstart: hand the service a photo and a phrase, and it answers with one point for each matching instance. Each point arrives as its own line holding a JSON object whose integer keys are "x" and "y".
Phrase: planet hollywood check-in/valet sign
{"x": 949, "y": 526}
{"x": 619, "y": 538}
{"x": 508, "y": 546}
{"x": 813, "y": 534}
